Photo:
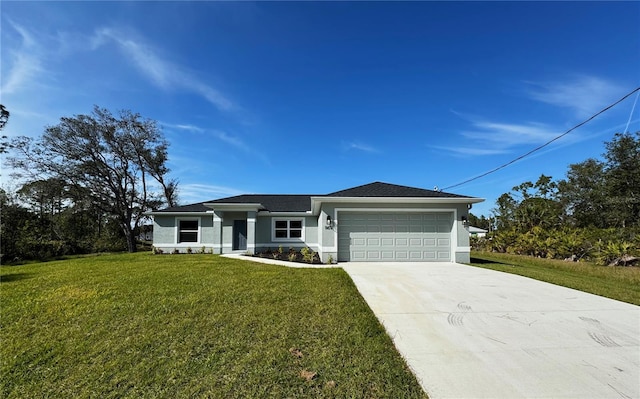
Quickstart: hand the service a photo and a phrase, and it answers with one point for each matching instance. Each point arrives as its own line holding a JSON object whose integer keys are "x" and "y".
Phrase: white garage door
{"x": 394, "y": 236}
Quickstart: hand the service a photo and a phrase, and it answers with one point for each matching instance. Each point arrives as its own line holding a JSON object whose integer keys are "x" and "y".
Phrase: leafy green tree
{"x": 606, "y": 193}
{"x": 481, "y": 222}
{"x": 622, "y": 169}
{"x": 113, "y": 161}
{"x": 530, "y": 205}
{"x": 584, "y": 194}
{"x": 505, "y": 211}
{"x": 15, "y": 226}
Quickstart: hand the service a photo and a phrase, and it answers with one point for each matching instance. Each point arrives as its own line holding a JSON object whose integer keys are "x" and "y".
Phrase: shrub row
{"x": 603, "y": 246}
{"x": 304, "y": 255}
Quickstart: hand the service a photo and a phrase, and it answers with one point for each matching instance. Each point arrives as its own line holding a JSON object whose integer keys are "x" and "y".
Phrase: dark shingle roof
{"x": 302, "y": 202}
{"x": 378, "y": 189}
{"x": 272, "y": 203}
{"x": 199, "y": 207}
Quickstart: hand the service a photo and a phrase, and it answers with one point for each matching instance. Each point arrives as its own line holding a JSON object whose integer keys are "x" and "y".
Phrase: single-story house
{"x": 372, "y": 222}
{"x": 477, "y": 232}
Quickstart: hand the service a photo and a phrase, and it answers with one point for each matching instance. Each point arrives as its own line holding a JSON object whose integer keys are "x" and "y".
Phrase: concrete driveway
{"x": 468, "y": 332}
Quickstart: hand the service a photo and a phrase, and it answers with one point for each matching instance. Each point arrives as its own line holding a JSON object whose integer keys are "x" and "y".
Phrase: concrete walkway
{"x": 475, "y": 333}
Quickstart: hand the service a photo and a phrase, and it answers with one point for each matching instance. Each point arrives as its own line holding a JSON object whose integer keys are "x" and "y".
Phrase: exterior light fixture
{"x": 329, "y": 222}
{"x": 465, "y": 221}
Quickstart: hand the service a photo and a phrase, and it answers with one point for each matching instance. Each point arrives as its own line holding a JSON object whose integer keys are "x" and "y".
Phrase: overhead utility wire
{"x": 626, "y": 128}
{"x": 545, "y": 144}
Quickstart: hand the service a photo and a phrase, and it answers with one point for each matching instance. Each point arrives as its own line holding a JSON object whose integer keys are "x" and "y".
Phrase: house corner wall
{"x": 463, "y": 248}
{"x": 217, "y": 233}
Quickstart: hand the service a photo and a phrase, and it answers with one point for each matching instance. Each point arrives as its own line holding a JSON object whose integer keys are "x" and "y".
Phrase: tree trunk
{"x": 131, "y": 239}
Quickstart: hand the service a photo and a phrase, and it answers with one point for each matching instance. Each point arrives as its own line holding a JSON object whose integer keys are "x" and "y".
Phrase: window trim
{"x": 288, "y": 229}
{"x": 198, "y": 231}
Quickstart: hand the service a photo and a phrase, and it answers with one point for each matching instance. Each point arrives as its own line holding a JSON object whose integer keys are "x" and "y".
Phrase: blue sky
{"x": 315, "y": 97}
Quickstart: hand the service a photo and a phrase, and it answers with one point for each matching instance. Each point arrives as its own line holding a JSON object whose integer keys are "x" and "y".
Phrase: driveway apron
{"x": 468, "y": 332}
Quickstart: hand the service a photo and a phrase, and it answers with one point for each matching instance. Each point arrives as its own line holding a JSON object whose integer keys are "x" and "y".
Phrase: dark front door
{"x": 239, "y": 234}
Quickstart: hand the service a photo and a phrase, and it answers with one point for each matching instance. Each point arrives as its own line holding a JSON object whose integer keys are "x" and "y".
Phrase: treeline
{"x": 84, "y": 185}
{"x": 592, "y": 214}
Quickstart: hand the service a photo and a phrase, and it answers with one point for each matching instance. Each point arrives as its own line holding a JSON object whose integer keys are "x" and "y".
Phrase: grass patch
{"x": 142, "y": 326}
{"x": 615, "y": 282}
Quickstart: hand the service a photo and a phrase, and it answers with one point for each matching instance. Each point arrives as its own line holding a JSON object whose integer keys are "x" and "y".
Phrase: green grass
{"x": 144, "y": 326}
{"x": 621, "y": 283}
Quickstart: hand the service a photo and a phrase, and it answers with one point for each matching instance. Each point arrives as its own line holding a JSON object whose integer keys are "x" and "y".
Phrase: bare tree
{"x": 119, "y": 161}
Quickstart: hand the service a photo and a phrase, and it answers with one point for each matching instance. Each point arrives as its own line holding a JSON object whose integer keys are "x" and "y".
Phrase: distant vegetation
{"x": 593, "y": 214}
{"x": 84, "y": 186}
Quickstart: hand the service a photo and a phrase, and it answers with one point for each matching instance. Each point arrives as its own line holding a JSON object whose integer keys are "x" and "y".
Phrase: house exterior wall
{"x": 165, "y": 230}
{"x": 216, "y": 229}
{"x": 328, "y": 236}
{"x": 227, "y": 229}
{"x": 264, "y": 233}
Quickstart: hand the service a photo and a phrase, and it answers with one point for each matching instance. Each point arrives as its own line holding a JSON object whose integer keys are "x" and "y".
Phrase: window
{"x": 291, "y": 229}
{"x": 188, "y": 231}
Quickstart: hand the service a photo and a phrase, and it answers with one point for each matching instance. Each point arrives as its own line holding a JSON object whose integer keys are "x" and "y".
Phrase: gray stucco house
{"x": 372, "y": 222}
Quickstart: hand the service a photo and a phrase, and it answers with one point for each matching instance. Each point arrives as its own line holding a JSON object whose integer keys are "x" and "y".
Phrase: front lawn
{"x": 145, "y": 326}
{"x": 615, "y": 282}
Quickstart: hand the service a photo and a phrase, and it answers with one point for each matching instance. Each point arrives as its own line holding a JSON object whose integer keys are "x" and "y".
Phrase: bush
{"x": 600, "y": 245}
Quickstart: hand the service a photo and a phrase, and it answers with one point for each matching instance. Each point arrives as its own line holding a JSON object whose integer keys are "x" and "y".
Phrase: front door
{"x": 239, "y": 235}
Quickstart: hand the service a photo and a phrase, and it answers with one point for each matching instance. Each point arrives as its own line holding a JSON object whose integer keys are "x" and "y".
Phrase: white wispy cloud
{"x": 187, "y": 127}
{"x": 505, "y": 135}
{"x": 583, "y": 94}
{"x": 161, "y": 72}
{"x": 493, "y": 138}
{"x": 471, "y": 151}
{"x": 25, "y": 62}
{"x": 357, "y": 145}
{"x": 230, "y": 139}
{"x": 190, "y": 193}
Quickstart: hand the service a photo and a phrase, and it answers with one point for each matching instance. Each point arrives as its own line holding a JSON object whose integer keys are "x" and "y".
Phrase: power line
{"x": 547, "y": 143}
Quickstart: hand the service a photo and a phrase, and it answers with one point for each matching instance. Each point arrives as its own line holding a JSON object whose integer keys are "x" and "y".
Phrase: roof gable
{"x": 379, "y": 189}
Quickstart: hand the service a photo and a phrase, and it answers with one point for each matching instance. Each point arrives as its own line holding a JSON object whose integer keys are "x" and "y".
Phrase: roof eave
{"x": 316, "y": 201}
{"x": 176, "y": 213}
{"x": 231, "y": 206}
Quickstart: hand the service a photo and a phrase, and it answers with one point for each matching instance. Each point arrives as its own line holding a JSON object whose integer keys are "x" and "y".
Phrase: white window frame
{"x": 198, "y": 231}
{"x": 288, "y": 238}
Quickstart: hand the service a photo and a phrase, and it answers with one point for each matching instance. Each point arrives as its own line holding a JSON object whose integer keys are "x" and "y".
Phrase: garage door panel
{"x": 373, "y": 242}
{"x": 387, "y": 255}
{"x": 390, "y": 236}
{"x": 429, "y": 255}
{"x": 373, "y": 255}
{"x": 429, "y": 242}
